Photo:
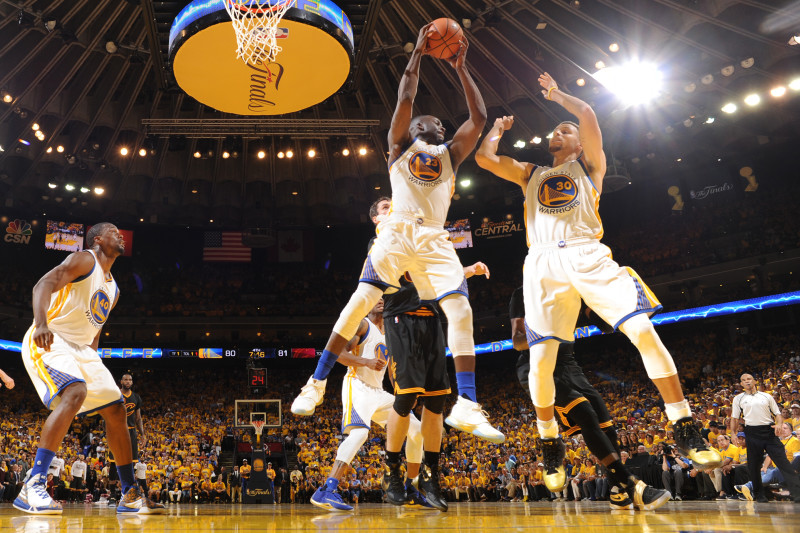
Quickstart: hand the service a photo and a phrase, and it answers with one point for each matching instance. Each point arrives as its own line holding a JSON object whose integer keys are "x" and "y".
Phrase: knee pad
{"x": 459, "y": 324}
{"x": 540, "y": 377}
{"x": 434, "y": 404}
{"x": 657, "y": 360}
{"x": 350, "y": 446}
{"x": 361, "y": 303}
{"x": 403, "y": 403}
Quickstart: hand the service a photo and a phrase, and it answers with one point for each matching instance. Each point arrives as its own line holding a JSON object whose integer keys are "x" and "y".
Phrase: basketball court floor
{"x": 557, "y": 516}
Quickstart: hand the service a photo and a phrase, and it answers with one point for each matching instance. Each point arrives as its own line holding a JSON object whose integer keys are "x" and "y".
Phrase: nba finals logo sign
{"x": 557, "y": 194}
{"x": 425, "y": 169}
{"x": 18, "y": 232}
{"x": 99, "y": 307}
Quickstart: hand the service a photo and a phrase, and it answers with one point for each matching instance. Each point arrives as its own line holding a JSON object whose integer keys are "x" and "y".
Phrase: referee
{"x": 761, "y": 430}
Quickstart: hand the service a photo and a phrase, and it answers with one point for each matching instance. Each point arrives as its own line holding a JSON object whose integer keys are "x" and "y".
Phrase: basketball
{"x": 445, "y": 41}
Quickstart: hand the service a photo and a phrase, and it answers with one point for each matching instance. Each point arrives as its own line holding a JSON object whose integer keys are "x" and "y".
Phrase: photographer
{"x": 673, "y": 468}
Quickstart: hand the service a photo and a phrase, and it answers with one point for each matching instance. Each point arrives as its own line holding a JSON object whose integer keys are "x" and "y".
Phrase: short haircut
{"x": 577, "y": 127}
{"x": 95, "y": 231}
{"x": 373, "y": 209}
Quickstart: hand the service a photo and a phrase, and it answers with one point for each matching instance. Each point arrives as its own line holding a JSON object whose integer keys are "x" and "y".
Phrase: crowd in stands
{"x": 188, "y": 413}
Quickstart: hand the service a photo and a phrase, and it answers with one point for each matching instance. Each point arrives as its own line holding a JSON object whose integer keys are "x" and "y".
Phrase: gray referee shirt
{"x": 757, "y": 408}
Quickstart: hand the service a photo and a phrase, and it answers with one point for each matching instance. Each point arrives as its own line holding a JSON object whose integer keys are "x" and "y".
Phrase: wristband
{"x": 551, "y": 89}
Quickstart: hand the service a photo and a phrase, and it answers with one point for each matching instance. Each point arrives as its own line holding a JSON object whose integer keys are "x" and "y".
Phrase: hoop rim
{"x": 258, "y": 10}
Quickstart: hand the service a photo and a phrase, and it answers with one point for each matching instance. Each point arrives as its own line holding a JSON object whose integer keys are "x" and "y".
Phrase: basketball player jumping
{"x": 364, "y": 400}
{"x": 567, "y": 262}
{"x": 412, "y": 239}
{"x": 71, "y": 303}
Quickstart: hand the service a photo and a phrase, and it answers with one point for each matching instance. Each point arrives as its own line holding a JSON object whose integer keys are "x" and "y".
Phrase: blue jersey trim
{"x": 382, "y": 285}
{"x": 109, "y": 404}
{"x": 439, "y": 298}
{"x": 81, "y": 278}
{"x": 586, "y": 170}
{"x": 652, "y": 310}
{"x": 364, "y": 338}
{"x": 406, "y": 149}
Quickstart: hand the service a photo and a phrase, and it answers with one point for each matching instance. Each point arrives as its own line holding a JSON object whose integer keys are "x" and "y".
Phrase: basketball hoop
{"x": 258, "y": 425}
{"x": 256, "y": 25}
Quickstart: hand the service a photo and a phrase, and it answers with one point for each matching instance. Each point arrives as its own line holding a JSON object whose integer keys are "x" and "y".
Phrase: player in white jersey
{"x": 567, "y": 262}
{"x": 364, "y": 401}
{"x": 71, "y": 303}
{"x": 412, "y": 238}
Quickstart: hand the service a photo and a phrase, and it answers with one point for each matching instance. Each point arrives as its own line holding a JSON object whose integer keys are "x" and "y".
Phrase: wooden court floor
{"x": 587, "y": 517}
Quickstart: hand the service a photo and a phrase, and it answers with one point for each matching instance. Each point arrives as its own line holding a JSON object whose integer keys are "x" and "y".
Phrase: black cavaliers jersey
{"x": 132, "y": 403}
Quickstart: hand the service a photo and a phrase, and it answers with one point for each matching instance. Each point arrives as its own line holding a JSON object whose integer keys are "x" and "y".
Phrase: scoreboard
{"x": 285, "y": 352}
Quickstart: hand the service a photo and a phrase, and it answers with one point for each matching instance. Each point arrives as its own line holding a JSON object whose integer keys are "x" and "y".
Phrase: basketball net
{"x": 258, "y": 425}
{"x": 256, "y": 25}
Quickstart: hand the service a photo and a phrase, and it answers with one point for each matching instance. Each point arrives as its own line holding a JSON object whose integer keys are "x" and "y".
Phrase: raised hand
{"x": 422, "y": 39}
{"x": 457, "y": 61}
{"x": 548, "y": 84}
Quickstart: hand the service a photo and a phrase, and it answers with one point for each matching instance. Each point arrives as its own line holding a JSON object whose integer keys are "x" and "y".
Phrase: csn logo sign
{"x": 18, "y": 232}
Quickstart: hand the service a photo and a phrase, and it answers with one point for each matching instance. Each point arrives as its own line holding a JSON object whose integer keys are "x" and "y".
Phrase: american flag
{"x": 225, "y": 246}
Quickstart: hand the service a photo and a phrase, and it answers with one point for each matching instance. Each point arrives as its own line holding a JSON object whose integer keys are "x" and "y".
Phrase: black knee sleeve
{"x": 434, "y": 404}
{"x": 403, "y": 403}
{"x": 596, "y": 439}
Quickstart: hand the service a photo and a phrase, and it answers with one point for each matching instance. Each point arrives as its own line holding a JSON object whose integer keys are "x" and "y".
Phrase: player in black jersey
{"x": 582, "y": 410}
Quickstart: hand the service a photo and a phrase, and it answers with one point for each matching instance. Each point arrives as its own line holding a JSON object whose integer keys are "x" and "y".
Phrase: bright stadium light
{"x": 519, "y": 144}
{"x": 777, "y": 92}
{"x": 795, "y": 84}
{"x": 536, "y": 140}
{"x": 752, "y": 99}
{"x": 633, "y": 83}
{"x": 729, "y": 108}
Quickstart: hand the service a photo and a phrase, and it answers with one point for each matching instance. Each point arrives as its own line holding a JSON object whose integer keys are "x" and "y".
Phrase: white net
{"x": 256, "y": 25}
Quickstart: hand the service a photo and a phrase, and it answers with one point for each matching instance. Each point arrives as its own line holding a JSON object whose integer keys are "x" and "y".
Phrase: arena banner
{"x": 708, "y": 192}
{"x": 499, "y": 228}
{"x": 18, "y": 231}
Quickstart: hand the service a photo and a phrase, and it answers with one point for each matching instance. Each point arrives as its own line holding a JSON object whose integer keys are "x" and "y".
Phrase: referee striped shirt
{"x": 758, "y": 408}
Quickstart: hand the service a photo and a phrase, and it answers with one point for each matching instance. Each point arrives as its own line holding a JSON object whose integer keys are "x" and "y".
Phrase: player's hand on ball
{"x": 422, "y": 38}
{"x": 457, "y": 61}
{"x": 43, "y": 337}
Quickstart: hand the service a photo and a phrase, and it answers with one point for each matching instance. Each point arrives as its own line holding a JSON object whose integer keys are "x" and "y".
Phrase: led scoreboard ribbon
{"x": 685, "y": 315}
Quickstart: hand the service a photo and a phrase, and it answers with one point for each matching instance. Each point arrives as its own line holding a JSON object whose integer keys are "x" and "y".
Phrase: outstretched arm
{"x": 466, "y": 138}
{"x": 591, "y": 137}
{"x": 401, "y": 120}
{"x": 500, "y": 165}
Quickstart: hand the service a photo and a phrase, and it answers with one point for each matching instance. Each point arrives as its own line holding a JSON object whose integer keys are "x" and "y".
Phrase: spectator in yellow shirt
{"x": 730, "y": 458}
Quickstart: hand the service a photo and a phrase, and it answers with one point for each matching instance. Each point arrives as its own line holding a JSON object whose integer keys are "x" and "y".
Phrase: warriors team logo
{"x": 258, "y": 465}
{"x": 557, "y": 191}
{"x": 99, "y": 307}
{"x": 381, "y": 352}
{"x": 425, "y": 167}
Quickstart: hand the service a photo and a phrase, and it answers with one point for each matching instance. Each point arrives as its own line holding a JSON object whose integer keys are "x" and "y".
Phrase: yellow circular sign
{"x": 311, "y": 66}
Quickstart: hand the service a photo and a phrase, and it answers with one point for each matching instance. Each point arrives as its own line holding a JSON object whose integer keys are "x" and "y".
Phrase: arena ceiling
{"x": 58, "y": 71}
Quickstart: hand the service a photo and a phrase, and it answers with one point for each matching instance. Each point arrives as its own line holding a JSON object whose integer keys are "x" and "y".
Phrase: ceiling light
{"x": 777, "y": 92}
{"x": 752, "y": 99}
{"x": 35, "y": 126}
{"x": 111, "y": 47}
{"x": 99, "y": 191}
{"x": 599, "y": 65}
{"x": 747, "y": 63}
{"x": 632, "y": 83}
{"x": 194, "y": 191}
{"x": 690, "y": 88}
{"x": 708, "y": 79}
{"x": 536, "y": 140}
{"x": 49, "y": 150}
{"x": 519, "y": 144}
{"x": 211, "y": 220}
{"x": 69, "y": 187}
{"x": 795, "y": 39}
{"x": 262, "y": 154}
{"x": 679, "y": 160}
{"x": 294, "y": 193}
{"x": 541, "y": 25}
{"x": 84, "y": 189}
{"x": 795, "y": 84}
{"x": 142, "y": 152}
{"x": 197, "y": 155}
{"x": 613, "y": 47}
{"x": 281, "y": 155}
{"x": 580, "y": 82}
{"x": 50, "y": 24}
{"x": 408, "y": 48}
{"x": 688, "y": 122}
{"x": 52, "y": 185}
{"x": 729, "y": 108}
{"x": 467, "y": 23}
{"x": 312, "y": 153}
{"x": 466, "y": 182}
{"x": 346, "y": 152}
{"x": 225, "y": 154}
{"x": 710, "y": 120}
{"x": 23, "y": 141}
{"x": 7, "y": 98}
{"x": 362, "y": 151}
{"x": 122, "y": 151}
{"x": 60, "y": 149}
{"x": 289, "y": 154}
{"x": 727, "y": 70}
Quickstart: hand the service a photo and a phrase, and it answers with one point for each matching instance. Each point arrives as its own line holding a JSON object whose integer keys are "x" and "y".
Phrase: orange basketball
{"x": 445, "y": 41}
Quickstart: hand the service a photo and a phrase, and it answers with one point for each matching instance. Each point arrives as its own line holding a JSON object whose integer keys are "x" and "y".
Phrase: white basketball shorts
{"x": 66, "y": 363}
{"x": 555, "y": 278}
{"x": 362, "y": 404}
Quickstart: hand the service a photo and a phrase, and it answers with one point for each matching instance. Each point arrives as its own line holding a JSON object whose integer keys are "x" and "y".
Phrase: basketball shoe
{"x": 414, "y": 499}
{"x": 151, "y": 507}
{"x": 34, "y": 499}
{"x": 468, "y": 417}
{"x": 645, "y": 497}
{"x": 393, "y": 486}
{"x": 745, "y": 491}
{"x": 619, "y": 499}
{"x": 132, "y": 501}
{"x": 428, "y": 485}
{"x": 310, "y": 397}
{"x": 332, "y": 501}
{"x": 691, "y": 445}
{"x": 553, "y": 452}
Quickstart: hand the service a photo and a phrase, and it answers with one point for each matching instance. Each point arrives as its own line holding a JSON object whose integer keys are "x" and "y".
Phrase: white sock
{"x": 676, "y": 411}
{"x": 548, "y": 429}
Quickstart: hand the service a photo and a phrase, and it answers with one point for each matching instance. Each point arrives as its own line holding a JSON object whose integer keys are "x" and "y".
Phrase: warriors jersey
{"x": 372, "y": 346}
{"x": 423, "y": 182}
{"x": 561, "y": 204}
{"x": 78, "y": 311}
